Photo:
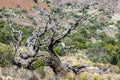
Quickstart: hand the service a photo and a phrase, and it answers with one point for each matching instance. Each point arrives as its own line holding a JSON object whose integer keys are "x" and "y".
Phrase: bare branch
{"x": 68, "y": 31}
{"x": 17, "y": 36}
{"x": 33, "y": 44}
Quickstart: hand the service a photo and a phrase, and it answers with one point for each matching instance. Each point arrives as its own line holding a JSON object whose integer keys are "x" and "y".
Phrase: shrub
{"x": 98, "y": 77}
{"x": 6, "y": 55}
{"x": 5, "y": 35}
{"x": 110, "y": 47}
{"x": 83, "y": 76}
{"x": 39, "y": 67}
{"x": 2, "y": 23}
{"x": 47, "y": 1}
{"x": 27, "y": 31}
{"x": 108, "y": 77}
{"x": 57, "y": 10}
{"x": 70, "y": 76}
{"x": 75, "y": 15}
{"x": 106, "y": 39}
{"x": 113, "y": 51}
{"x": 97, "y": 53}
{"x": 68, "y": 4}
{"x": 2, "y": 9}
{"x": 24, "y": 11}
{"x": 59, "y": 50}
{"x": 82, "y": 46}
{"x": 39, "y": 63}
{"x": 101, "y": 9}
{"x": 118, "y": 24}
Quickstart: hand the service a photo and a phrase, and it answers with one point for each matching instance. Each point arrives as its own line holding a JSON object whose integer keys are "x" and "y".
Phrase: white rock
{"x": 9, "y": 78}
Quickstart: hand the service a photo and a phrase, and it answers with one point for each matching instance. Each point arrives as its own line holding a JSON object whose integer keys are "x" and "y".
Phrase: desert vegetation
{"x": 72, "y": 41}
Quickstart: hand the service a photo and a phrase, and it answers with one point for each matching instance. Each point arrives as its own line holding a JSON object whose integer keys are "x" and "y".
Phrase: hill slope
{"x": 22, "y": 4}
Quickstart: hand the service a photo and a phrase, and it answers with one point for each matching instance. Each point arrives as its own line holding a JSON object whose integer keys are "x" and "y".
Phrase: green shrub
{"x": 27, "y": 31}
{"x": 108, "y": 77}
{"x": 2, "y": 23}
{"x": 6, "y": 55}
{"x": 47, "y": 1}
{"x": 87, "y": 7}
{"x": 68, "y": 4}
{"x": 83, "y": 76}
{"x": 5, "y": 35}
{"x": 24, "y": 11}
{"x": 101, "y": 9}
{"x": 57, "y": 10}
{"x": 82, "y": 46}
{"x": 96, "y": 53}
{"x": 59, "y": 50}
{"x": 39, "y": 66}
{"x": 75, "y": 15}
{"x": 39, "y": 63}
{"x": 98, "y": 77}
{"x": 2, "y": 9}
{"x": 118, "y": 24}
{"x": 110, "y": 47}
{"x": 113, "y": 51}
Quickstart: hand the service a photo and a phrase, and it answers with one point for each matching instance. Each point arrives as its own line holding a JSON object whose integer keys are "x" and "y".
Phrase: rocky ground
{"x": 92, "y": 71}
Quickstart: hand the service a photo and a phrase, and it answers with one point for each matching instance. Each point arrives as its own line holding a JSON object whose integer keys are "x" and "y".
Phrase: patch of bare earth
{"x": 22, "y": 4}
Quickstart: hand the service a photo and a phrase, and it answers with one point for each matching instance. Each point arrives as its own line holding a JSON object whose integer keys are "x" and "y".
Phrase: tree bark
{"x": 56, "y": 64}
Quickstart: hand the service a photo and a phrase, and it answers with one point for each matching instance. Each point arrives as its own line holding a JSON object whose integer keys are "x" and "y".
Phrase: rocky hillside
{"x": 111, "y": 5}
{"x": 91, "y": 50}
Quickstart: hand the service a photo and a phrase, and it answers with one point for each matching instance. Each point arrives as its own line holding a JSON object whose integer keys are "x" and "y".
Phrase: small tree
{"x": 56, "y": 27}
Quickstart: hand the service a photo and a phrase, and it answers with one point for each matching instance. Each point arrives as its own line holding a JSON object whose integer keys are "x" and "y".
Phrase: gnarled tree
{"x": 54, "y": 29}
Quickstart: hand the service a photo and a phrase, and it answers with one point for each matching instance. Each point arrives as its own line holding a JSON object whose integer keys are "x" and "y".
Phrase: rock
{"x": 92, "y": 68}
{"x": 34, "y": 76}
{"x": 85, "y": 57}
{"x": 78, "y": 69}
{"x": 49, "y": 74}
{"x": 2, "y": 77}
{"x": 9, "y": 78}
